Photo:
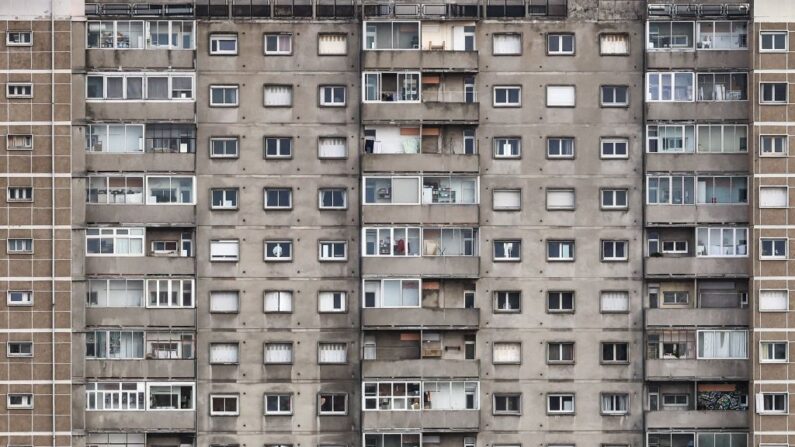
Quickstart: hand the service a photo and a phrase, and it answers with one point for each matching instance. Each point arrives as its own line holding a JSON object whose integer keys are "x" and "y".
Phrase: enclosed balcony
{"x": 428, "y": 148}
{"x": 709, "y": 44}
{"x": 701, "y": 302}
{"x": 688, "y": 199}
{"x": 417, "y": 353}
{"x": 704, "y": 354}
{"x": 138, "y": 199}
{"x": 703, "y": 251}
{"x": 138, "y": 250}
{"x": 697, "y": 405}
{"x": 140, "y": 147}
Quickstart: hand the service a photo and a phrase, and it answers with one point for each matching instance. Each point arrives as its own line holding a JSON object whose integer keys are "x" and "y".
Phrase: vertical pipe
{"x": 52, "y": 213}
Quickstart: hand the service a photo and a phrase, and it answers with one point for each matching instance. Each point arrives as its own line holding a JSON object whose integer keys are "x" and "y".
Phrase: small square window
{"x": 615, "y": 352}
{"x": 773, "y": 93}
{"x": 332, "y": 44}
{"x": 560, "y": 352}
{"x": 773, "y": 196}
{"x": 560, "y": 251}
{"x": 278, "y": 404}
{"x": 19, "y": 401}
{"x": 614, "y": 96}
{"x": 508, "y": 250}
{"x": 614, "y": 199}
{"x": 614, "y": 147}
{"x": 560, "y": 147}
{"x": 560, "y": 301}
{"x": 278, "y": 198}
{"x": 332, "y": 403}
{"x": 224, "y": 353}
{"x": 19, "y": 349}
{"x": 614, "y": 44}
{"x": 507, "y": 147}
{"x": 224, "y": 198}
{"x": 19, "y": 38}
{"x": 19, "y": 142}
{"x": 224, "y": 250}
{"x": 506, "y": 44}
{"x": 224, "y": 147}
{"x": 223, "y": 44}
{"x": 17, "y": 246}
{"x": 278, "y": 96}
{"x": 773, "y": 145}
{"x": 332, "y": 198}
{"x": 615, "y": 250}
{"x": 19, "y": 90}
{"x": 278, "y": 147}
{"x": 773, "y": 41}
{"x": 19, "y": 194}
{"x": 223, "y": 96}
{"x": 19, "y": 298}
{"x": 505, "y": 403}
{"x": 278, "y": 301}
{"x": 332, "y": 301}
{"x": 332, "y": 147}
{"x": 560, "y": 403}
{"x": 224, "y": 405}
{"x": 332, "y": 95}
{"x": 773, "y": 248}
{"x": 225, "y": 301}
{"x": 278, "y": 44}
{"x": 506, "y": 199}
{"x": 614, "y": 302}
{"x": 560, "y": 44}
{"x": 561, "y": 96}
{"x": 507, "y": 301}
{"x": 333, "y": 251}
{"x": 507, "y": 96}
{"x": 560, "y": 199}
{"x": 281, "y": 251}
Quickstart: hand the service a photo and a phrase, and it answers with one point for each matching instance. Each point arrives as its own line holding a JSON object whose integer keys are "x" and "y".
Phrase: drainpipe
{"x": 52, "y": 209}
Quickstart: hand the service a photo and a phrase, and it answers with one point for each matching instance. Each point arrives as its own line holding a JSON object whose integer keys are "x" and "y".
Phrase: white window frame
{"x": 764, "y": 350}
{"x": 149, "y": 386}
{"x": 270, "y": 258}
{"x": 613, "y": 142}
{"x": 774, "y": 139}
{"x": 613, "y": 192}
{"x": 560, "y": 37}
{"x": 235, "y": 412}
{"x": 230, "y": 345}
{"x": 29, "y": 397}
{"x": 334, "y": 396}
{"x": 171, "y": 179}
{"x": 27, "y": 140}
{"x": 677, "y": 247}
{"x": 278, "y": 346}
{"x": 507, "y": 258}
{"x": 688, "y": 144}
{"x": 672, "y": 75}
{"x": 561, "y": 397}
{"x": 379, "y": 304}
{"x": 561, "y": 243}
{"x": 328, "y": 346}
{"x": 213, "y": 154}
{"x": 603, "y": 36}
{"x": 508, "y": 397}
{"x": 13, "y": 250}
{"x": 145, "y": 76}
{"x": 561, "y": 142}
{"x": 615, "y": 399}
{"x": 567, "y": 191}
{"x": 16, "y": 90}
{"x": 169, "y": 30}
{"x": 225, "y": 192}
{"x": 25, "y": 43}
{"x": 761, "y": 407}
{"x": 391, "y": 180}
{"x": 615, "y": 244}
{"x": 19, "y": 194}
{"x": 556, "y": 349}
{"x": 225, "y": 87}
{"x": 736, "y": 231}
{"x": 560, "y": 309}
{"x": 277, "y": 190}
{"x": 215, "y": 40}
{"x": 762, "y": 241}
{"x": 502, "y": 301}
{"x": 283, "y": 300}
{"x": 723, "y": 129}
{"x": 278, "y": 37}
{"x": 9, "y": 354}
{"x": 329, "y": 139}
{"x": 690, "y": 47}
{"x": 507, "y": 89}
{"x": 773, "y": 100}
{"x": 704, "y": 331}
{"x": 283, "y": 146}
{"x": 501, "y": 151}
{"x": 326, "y": 295}
{"x": 613, "y": 89}
{"x": 773, "y": 49}
{"x": 344, "y": 205}
{"x": 333, "y": 103}
{"x": 279, "y": 398}
{"x": 26, "y": 295}
{"x": 272, "y": 86}
{"x": 321, "y": 52}
{"x": 173, "y": 286}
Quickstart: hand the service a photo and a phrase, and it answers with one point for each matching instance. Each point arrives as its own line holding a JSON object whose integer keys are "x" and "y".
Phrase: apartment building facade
{"x": 396, "y": 223}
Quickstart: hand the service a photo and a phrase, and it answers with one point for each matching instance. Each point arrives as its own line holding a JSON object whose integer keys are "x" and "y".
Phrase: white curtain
{"x": 223, "y": 302}
{"x": 614, "y": 43}
{"x": 507, "y": 352}
{"x": 333, "y": 353}
{"x": 507, "y": 199}
{"x": 278, "y": 95}
{"x": 615, "y": 301}
{"x": 560, "y": 199}
{"x": 507, "y": 44}
{"x": 278, "y": 353}
{"x": 771, "y": 300}
{"x": 331, "y": 147}
{"x": 224, "y": 353}
{"x": 331, "y": 301}
{"x": 773, "y": 197}
{"x": 722, "y": 344}
{"x": 332, "y": 44}
{"x": 278, "y": 302}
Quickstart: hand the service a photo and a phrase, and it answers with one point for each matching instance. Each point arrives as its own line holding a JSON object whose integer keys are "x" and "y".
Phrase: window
{"x": 115, "y": 344}
{"x": 331, "y": 302}
{"x": 560, "y": 250}
{"x": 223, "y": 96}
{"x": 670, "y": 86}
{"x": 279, "y": 251}
{"x": 675, "y": 400}
{"x": 614, "y": 96}
{"x": 614, "y": 147}
{"x": 332, "y": 95}
{"x": 615, "y": 404}
{"x": 116, "y": 138}
{"x": 560, "y": 301}
{"x": 19, "y": 297}
{"x": 19, "y": 90}
{"x": 726, "y": 138}
{"x": 405, "y": 241}
{"x": 19, "y": 349}
{"x": 278, "y": 404}
{"x": 507, "y": 96}
{"x": 24, "y": 246}
{"x": 332, "y": 403}
{"x": 278, "y": 353}
{"x": 561, "y": 96}
{"x": 506, "y": 44}
{"x": 391, "y": 190}
{"x": 558, "y": 352}
{"x": 773, "y": 248}
{"x": 773, "y": 41}
{"x": 173, "y": 190}
{"x": 332, "y": 44}
{"x": 332, "y": 353}
{"x": 19, "y": 38}
{"x": 560, "y": 44}
{"x": 278, "y": 96}
{"x": 721, "y": 242}
{"x": 670, "y": 138}
{"x": 115, "y": 396}
{"x": 507, "y": 250}
{"x": 120, "y": 440}
{"x": 507, "y": 403}
{"x": 667, "y": 190}
{"x": 161, "y": 86}
{"x": 773, "y": 145}
{"x": 170, "y": 345}
{"x": 278, "y": 198}
{"x": 773, "y": 197}
{"x": 278, "y": 301}
{"x": 170, "y": 396}
{"x": 19, "y": 142}
{"x": 675, "y": 297}
{"x": 560, "y": 403}
{"x": 226, "y": 301}
{"x": 333, "y": 250}
{"x": 333, "y": 198}
{"x": 772, "y": 402}
{"x": 614, "y": 199}
{"x": 615, "y": 250}
{"x": 224, "y": 250}
{"x": 773, "y": 92}
{"x": 508, "y": 301}
{"x": 722, "y": 86}
{"x": 19, "y": 194}
{"x": 614, "y": 302}
{"x": 278, "y": 147}
{"x": 614, "y": 44}
{"x": 224, "y": 147}
{"x": 19, "y": 401}
{"x": 115, "y": 241}
{"x": 773, "y": 352}
{"x": 507, "y": 147}
{"x": 123, "y": 34}
{"x": 560, "y": 147}
{"x": 667, "y": 35}
{"x": 223, "y": 44}
{"x": 506, "y": 199}
{"x": 722, "y": 344}
{"x": 224, "y": 353}
{"x": 392, "y": 293}
{"x": 278, "y": 44}
{"x": 115, "y": 293}
{"x": 332, "y": 147}
{"x": 614, "y": 352}
{"x": 773, "y": 300}
{"x": 224, "y": 198}
{"x": 722, "y": 35}
{"x": 389, "y": 396}
{"x": 506, "y": 352}
{"x": 560, "y": 199}
{"x": 391, "y": 87}
{"x": 224, "y": 405}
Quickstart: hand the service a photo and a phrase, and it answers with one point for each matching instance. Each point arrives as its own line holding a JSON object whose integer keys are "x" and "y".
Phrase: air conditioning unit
{"x": 659, "y": 10}
{"x": 738, "y": 10}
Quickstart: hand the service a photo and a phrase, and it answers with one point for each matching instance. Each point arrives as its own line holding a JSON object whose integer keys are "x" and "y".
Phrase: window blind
{"x": 507, "y": 44}
{"x": 278, "y": 95}
{"x": 279, "y": 353}
{"x": 560, "y": 95}
{"x": 614, "y": 43}
{"x": 771, "y": 300}
{"x": 331, "y": 147}
{"x": 332, "y": 353}
{"x": 507, "y": 352}
{"x": 278, "y": 301}
{"x": 224, "y": 353}
{"x": 224, "y": 250}
{"x": 773, "y": 197}
{"x": 332, "y": 44}
{"x": 223, "y": 302}
{"x": 560, "y": 199}
{"x": 615, "y": 301}
{"x": 507, "y": 199}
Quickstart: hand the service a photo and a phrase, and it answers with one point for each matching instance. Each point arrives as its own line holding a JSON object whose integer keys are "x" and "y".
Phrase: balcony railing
{"x": 524, "y": 8}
